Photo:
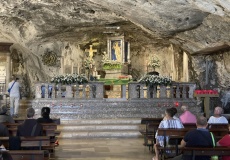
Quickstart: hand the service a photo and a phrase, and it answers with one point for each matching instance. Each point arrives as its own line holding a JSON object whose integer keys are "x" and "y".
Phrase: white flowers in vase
{"x": 69, "y": 79}
{"x": 152, "y": 80}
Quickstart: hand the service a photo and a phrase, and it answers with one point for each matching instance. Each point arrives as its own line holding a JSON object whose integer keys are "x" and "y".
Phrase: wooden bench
{"x": 21, "y": 120}
{"x": 217, "y": 125}
{"x": 176, "y": 135}
{"x": 40, "y": 142}
{"x": 27, "y": 154}
{"x": 49, "y": 129}
{"x": 37, "y": 141}
{"x": 150, "y": 130}
{"x": 147, "y": 121}
{"x": 198, "y": 151}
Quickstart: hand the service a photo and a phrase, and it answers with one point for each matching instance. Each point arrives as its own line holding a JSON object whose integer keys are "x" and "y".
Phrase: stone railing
{"x": 95, "y": 90}
{"x": 176, "y": 90}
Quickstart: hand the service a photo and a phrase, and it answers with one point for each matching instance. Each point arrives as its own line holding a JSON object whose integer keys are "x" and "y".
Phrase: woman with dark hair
{"x": 45, "y": 116}
{"x": 167, "y": 122}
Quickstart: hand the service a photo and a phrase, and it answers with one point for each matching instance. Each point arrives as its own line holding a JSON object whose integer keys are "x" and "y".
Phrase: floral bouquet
{"x": 69, "y": 79}
{"x": 108, "y": 64}
{"x": 155, "y": 80}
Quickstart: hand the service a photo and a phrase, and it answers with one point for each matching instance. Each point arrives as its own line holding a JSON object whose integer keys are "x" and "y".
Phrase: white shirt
{"x": 221, "y": 119}
{"x": 15, "y": 91}
{"x": 172, "y": 123}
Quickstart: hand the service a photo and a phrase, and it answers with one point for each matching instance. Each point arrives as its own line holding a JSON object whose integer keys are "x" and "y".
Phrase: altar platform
{"x": 137, "y": 100}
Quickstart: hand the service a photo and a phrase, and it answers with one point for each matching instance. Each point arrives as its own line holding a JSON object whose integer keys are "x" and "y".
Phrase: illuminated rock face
{"x": 67, "y": 28}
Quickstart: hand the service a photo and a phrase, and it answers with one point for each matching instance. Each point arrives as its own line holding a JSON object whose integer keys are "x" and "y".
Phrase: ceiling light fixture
{"x": 112, "y": 27}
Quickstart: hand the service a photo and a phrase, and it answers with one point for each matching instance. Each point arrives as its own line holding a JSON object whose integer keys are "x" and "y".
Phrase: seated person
{"x": 199, "y": 137}
{"x": 217, "y": 117}
{"x": 4, "y": 117}
{"x": 225, "y": 141}
{"x": 167, "y": 122}
{"x": 45, "y": 116}
{"x": 4, "y": 155}
{"x": 45, "y": 113}
{"x": 174, "y": 113}
{"x": 30, "y": 127}
{"x": 187, "y": 116}
{"x": 4, "y": 132}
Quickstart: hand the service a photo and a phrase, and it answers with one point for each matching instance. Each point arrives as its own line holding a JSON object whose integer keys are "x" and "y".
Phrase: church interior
{"x": 114, "y": 44}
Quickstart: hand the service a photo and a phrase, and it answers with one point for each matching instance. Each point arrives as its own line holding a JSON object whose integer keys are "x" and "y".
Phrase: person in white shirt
{"x": 14, "y": 93}
{"x": 217, "y": 117}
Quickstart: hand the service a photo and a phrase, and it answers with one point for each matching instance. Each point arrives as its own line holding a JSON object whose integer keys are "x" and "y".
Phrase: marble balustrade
{"x": 95, "y": 90}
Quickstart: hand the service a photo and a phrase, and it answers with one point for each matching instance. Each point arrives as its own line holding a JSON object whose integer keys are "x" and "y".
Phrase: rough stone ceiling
{"x": 195, "y": 25}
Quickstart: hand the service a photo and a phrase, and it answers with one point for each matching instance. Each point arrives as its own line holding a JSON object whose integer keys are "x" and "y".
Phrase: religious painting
{"x": 118, "y": 49}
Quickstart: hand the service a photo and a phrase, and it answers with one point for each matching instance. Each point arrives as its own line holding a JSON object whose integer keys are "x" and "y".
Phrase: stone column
{"x": 123, "y": 91}
{"x": 8, "y": 68}
{"x": 185, "y": 67}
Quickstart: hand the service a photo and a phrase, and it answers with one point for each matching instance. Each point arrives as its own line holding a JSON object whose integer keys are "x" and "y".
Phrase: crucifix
{"x": 91, "y": 51}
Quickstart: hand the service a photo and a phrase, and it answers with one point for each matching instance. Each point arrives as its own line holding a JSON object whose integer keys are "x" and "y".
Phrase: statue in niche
{"x": 116, "y": 50}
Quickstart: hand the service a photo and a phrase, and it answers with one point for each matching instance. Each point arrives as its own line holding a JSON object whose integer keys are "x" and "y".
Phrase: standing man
{"x": 14, "y": 93}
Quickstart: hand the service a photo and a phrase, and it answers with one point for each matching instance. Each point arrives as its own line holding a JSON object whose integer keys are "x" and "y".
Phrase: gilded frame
{"x": 116, "y": 48}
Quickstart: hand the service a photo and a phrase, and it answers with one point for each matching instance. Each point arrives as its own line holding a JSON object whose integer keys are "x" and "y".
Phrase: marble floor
{"x": 98, "y": 148}
{"x": 102, "y": 149}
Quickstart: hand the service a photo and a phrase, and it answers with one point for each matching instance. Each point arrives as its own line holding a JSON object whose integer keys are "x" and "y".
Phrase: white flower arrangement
{"x": 69, "y": 79}
{"x": 155, "y": 80}
{"x": 154, "y": 62}
{"x": 108, "y": 64}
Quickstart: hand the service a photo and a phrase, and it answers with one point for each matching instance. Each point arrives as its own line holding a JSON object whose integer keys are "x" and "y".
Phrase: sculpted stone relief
{"x": 49, "y": 58}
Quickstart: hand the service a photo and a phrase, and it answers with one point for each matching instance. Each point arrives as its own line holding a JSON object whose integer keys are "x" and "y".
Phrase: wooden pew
{"x": 37, "y": 141}
{"x": 176, "y": 135}
{"x": 27, "y": 155}
{"x": 49, "y": 129}
{"x": 150, "y": 120}
{"x": 217, "y": 125}
{"x": 21, "y": 120}
{"x": 147, "y": 121}
{"x": 190, "y": 125}
{"x": 198, "y": 151}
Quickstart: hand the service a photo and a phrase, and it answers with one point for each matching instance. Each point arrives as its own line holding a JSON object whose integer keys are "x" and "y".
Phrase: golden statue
{"x": 117, "y": 51}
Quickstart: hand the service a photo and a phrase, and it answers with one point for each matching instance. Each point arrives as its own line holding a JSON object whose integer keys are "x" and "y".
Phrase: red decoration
{"x": 206, "y": 92}
{"x": 176, "y": 104}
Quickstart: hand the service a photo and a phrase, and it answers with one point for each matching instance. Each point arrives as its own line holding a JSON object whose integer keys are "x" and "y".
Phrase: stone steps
{"x": 100, "y": 128}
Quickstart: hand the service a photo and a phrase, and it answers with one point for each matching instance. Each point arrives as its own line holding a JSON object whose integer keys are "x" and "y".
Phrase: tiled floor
{"x": 102, "y": 149}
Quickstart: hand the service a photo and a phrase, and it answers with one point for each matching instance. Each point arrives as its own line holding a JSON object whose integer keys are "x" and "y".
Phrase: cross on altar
{"x": 206, "y": 94}
{"x": 91, "y": 51}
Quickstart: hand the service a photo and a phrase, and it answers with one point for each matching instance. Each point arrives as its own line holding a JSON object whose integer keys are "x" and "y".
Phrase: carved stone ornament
{"x": 49, "y": 58}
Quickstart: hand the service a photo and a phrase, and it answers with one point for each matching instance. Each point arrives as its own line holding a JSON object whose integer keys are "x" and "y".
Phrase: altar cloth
{"x": 114, "y": 81}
